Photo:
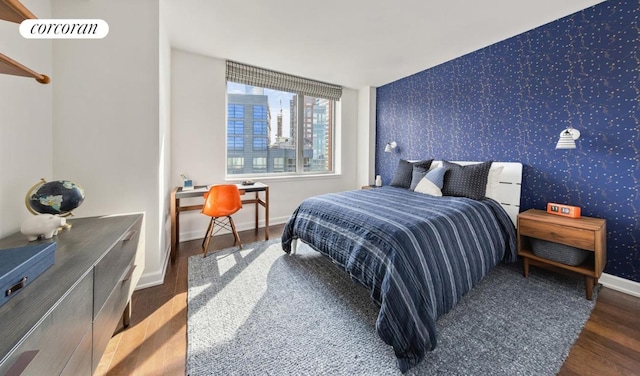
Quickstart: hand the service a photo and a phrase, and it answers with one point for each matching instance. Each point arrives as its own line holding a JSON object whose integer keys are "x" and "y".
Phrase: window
{"x": 235, "y": 164}
{"x": 260, "y": 112}
{"x": 260, "y": 128}
{"x": 259, "y": 143}
{"x": 235, "y": 135}
{"x": 291, "y": 164}
{"x": 290, "y": 122}
{"x": 235, "y": 111}
{"x": 235, "y": 143}
{"x": 278, "y": 164}
{"x": 260, "y": 163}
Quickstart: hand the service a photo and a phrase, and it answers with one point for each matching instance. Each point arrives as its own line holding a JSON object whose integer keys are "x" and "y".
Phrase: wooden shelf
{"x": 14, "y": 11}
{"x": 10, "y": 66}
{"x": 586, "y": 268}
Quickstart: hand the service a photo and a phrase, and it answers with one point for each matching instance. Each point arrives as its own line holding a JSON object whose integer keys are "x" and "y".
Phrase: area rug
{"x": 259, "y": 311}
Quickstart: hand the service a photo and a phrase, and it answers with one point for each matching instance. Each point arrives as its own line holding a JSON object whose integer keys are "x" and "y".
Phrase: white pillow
{"x": 427, "y": 187}
{"x": 493, "y": 181}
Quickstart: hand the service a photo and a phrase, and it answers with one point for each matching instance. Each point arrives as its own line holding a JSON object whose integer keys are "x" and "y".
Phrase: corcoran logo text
{"x": 64, "y": 29}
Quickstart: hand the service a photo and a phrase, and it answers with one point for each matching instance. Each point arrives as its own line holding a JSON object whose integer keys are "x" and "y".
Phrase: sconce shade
{"x": 567, "y": 139}
{"x": 390, "y": 146}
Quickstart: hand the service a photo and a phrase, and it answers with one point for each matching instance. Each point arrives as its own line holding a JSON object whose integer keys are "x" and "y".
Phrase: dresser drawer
{"x": 80, "y": 362}
{"x": 56, "y": 337}
{"x": 107, "y": 319}
{"x": 109, "y": 271}
{"x": 576, "y": 237}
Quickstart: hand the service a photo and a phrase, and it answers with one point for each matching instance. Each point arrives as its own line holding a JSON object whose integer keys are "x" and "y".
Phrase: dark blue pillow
{"x": 466, "y": 181}
{"x": 404, "y": 173}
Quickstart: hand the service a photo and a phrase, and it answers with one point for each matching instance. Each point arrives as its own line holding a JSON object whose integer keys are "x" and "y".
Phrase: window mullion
{"x": 300, "y": 134}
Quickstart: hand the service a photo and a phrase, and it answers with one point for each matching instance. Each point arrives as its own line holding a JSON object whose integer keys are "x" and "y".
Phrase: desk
{"x": 176, "y": 209}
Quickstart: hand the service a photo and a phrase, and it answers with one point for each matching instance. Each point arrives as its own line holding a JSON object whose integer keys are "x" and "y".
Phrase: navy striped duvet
{"x": 417, "y": 254}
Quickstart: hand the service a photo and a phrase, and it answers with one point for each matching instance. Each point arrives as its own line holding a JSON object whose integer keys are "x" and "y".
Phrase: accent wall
{"x": 511, "y": 100}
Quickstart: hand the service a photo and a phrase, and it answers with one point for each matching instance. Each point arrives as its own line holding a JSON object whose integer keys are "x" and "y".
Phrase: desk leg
{"x": 174, "y": 226}
{"x": 266, "y": 213}
{"x": 257, "y": 214}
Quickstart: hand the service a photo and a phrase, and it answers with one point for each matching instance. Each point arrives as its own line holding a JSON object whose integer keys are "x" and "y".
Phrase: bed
{"x": 417, "y": 254}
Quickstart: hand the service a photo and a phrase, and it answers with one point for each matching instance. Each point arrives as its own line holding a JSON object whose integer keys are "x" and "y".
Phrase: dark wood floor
{"x": 156, "y": 341}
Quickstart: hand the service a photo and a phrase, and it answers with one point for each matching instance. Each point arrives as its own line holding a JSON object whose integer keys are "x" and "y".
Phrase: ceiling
{"x": 353, "y": 43}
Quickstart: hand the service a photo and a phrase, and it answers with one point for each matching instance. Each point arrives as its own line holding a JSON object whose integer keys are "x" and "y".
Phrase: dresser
{"x": 61, "y": 323}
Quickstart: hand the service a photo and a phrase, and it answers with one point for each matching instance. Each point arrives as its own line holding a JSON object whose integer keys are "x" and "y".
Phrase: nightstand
{"x": 586, "y": 233}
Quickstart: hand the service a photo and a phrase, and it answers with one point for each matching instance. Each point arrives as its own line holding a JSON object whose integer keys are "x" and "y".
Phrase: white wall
{"x": 366, "y": 135}
{"x": 106, "y": 114}
{"x": 25, "y": 120}
{"x": 198, "y": 133}
{"x": 164, "y": 184}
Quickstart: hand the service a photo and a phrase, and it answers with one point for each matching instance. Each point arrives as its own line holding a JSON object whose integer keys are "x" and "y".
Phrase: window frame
{"x": 300, "y": 164}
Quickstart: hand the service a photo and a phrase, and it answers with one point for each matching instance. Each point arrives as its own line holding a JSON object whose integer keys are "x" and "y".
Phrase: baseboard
{"x": 620, "y": 284}
{"x": 192, "y": 235}
{"x": 155, "y": 278}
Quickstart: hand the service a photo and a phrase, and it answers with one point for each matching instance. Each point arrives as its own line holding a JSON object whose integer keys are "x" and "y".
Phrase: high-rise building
{"x": 248, "y": 129}
{"x": 317, "y": 131}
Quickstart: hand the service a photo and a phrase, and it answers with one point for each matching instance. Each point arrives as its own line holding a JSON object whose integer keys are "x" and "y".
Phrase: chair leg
{"x": 208, "y": 230}
{"x": 207, "y": 238}
{"x": 235, "y": 233}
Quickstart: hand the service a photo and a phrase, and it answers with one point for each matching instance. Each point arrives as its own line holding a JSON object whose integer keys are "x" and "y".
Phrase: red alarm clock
{"x": 563, "y": 210}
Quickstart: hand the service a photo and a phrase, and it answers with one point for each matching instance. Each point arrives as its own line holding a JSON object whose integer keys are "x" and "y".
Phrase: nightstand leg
{"x": 588, "y": 285}
{"x": 525, "y": 267}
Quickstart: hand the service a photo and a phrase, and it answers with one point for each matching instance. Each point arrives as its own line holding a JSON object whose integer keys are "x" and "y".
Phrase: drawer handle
{"x": 22, "y": 363}
{"x": 16, "y": 287}
{"x": 129, "y": 235}
{"x": 129, "y": 273}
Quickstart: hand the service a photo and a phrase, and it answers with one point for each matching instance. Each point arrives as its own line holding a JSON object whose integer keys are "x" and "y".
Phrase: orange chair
{"x": 220, "y": 202}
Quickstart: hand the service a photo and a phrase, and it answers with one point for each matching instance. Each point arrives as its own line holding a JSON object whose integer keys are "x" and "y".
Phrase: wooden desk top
{"x": 201, "y": 189}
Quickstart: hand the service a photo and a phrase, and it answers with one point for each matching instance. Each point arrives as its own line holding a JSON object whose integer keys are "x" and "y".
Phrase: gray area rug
{"x": 259, "y": 311}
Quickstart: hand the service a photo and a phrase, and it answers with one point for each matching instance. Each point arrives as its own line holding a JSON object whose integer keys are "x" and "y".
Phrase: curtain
{"x": 250, "y": 75}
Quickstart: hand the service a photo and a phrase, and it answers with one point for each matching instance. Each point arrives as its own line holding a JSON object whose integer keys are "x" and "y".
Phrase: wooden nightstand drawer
{"x": 571, "y": 236}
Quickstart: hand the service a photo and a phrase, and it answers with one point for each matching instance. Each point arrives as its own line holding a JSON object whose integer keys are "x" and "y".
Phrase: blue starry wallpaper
{"x": 510, "y": 102}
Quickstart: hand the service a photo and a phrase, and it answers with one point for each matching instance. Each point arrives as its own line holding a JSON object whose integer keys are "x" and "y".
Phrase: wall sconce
{"x": 568, "y": 138}
{"x": 390, "y": 146}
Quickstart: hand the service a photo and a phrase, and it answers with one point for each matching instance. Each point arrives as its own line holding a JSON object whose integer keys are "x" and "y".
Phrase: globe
{"x": 58, "y": 197}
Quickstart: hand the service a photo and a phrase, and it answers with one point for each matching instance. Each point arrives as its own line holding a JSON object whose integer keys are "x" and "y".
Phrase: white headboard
{"x": 508, "y": 192}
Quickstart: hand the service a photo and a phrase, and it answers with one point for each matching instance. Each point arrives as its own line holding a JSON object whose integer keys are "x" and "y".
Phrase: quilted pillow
{"x": 466, "y": 181}
{"x": 404, "y": 172}
{"x": 431, "y": 184}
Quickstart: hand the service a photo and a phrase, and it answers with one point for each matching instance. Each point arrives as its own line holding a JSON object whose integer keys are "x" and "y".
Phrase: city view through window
{"x": 264, "y": 128}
